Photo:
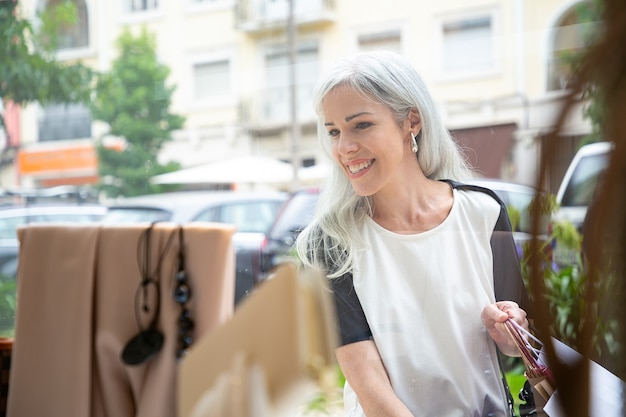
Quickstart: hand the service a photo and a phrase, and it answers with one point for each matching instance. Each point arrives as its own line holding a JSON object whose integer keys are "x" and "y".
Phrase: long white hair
{"x": 331, "y": 241}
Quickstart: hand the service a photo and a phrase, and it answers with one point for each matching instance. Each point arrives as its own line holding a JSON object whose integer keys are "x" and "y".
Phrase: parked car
{"x": 8, "y": 261}
{"x": 252, "y": 213}
{"x": 297, "y": 212}
{"x": 60, "y": 204}
{"x": 513, "y": 195}
{"x": 577, "y": 191}
{"x": 293, "y": 216}
{"x": 580, "y": 182}
{"x": 12, "y": 217}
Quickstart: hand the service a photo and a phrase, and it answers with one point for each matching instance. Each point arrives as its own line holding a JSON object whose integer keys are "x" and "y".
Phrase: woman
{"x": 411, "y": 258}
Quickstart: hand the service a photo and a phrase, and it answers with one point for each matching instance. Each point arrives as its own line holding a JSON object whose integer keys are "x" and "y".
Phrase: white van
{"x": 578, "y": 188}
{"x": 580, "y": 182}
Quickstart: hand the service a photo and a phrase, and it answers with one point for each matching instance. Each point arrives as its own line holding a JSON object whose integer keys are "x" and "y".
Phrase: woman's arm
{"x": 363, "y": 368}
{"x": 494, "y": 316}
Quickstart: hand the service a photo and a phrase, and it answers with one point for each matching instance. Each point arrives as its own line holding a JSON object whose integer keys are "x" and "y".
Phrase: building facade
{"x": 492, "y": 66}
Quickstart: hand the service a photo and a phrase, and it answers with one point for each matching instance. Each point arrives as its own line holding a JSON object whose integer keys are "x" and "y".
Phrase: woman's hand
{"x": 494, "y": 316}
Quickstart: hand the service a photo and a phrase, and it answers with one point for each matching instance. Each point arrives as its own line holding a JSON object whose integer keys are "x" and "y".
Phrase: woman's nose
{"x": 346, "y": 144}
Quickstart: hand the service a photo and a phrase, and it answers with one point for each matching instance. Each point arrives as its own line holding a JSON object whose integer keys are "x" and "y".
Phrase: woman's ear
{"x": 415, "y": 121}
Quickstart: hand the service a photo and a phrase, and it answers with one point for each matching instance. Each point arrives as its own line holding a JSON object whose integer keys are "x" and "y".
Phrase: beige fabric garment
{"x": 84, "y": 375}
{"x": 285, "y": 329}
{"x": 51, "y": 362}
{"x": 240, "y": 391}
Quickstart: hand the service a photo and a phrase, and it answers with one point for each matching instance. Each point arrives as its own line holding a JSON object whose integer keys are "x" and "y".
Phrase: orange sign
{"x": 63, "y": 159}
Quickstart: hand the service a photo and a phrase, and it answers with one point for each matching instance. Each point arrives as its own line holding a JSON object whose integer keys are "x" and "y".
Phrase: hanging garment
{"x": 77, "y": 310}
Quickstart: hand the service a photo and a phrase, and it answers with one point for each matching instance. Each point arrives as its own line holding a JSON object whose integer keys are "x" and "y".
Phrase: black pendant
{"x": 182, "y": 293}
{"x": 142, "y": 347}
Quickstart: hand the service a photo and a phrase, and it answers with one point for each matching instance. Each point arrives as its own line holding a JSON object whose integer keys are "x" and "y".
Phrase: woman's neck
{"x": 418, "y": 208}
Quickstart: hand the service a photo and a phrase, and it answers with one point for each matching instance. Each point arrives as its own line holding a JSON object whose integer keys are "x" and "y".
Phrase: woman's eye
{"x": 333, "y": 133}
{"x": 363, "y": 125}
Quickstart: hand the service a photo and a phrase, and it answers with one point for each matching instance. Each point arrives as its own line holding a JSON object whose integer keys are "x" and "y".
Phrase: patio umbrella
{"x": 242, "y": 169}
{"x": 313, "y": 174}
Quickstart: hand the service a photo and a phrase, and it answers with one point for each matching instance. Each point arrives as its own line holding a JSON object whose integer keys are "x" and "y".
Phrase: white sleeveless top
{"x": 423, "y": 295}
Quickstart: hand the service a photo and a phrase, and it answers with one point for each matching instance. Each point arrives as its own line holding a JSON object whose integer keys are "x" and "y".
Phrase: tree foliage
{"x": 134, "y": 100}
{"x": 590, "y": 12}
{"x": 29, "y": 71}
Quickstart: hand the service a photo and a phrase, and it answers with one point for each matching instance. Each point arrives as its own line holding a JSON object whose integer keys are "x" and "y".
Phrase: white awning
{"x": 238, "y": 170}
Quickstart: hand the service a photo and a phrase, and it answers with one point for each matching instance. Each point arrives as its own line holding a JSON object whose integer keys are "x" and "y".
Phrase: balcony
{"x": 261, "y": 16}
{"x": 269, "y": 109}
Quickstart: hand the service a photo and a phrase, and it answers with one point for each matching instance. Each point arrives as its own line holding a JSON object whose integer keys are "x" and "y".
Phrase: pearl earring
{"x": 414, "y": 147}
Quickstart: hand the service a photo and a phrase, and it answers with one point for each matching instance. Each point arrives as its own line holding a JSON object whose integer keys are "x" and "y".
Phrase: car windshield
{"x": 122, "y": 215}
{"x": 248, "y": 217}
{"x": 582, "y": 186}
{"x": 296, "y": 215}
{"x": 519, "y": 200}
{"x": 9, "y": 225}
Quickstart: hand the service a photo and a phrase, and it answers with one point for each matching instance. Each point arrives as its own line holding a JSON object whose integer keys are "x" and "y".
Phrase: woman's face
{"x": 367, "y": 141}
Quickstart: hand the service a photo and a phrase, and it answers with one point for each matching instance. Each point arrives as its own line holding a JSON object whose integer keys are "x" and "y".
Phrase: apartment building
{"x": 492, "y": 66}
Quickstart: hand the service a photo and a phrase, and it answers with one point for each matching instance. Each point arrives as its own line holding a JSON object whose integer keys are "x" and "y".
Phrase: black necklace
{"x": 149, "y": 341}
{"x": 182, "y": 295}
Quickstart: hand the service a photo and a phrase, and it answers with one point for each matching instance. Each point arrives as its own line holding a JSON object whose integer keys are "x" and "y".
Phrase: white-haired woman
{"x": 412, "y": 255}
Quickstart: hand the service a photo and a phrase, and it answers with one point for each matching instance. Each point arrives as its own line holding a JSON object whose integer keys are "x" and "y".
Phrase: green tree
{"x": 29, "y": 71}
{"x": 133, "y": 99}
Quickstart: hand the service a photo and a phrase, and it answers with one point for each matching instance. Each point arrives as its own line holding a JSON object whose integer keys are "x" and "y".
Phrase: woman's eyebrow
{"x": 356, "y": 115}
{"x": 348, "y": 118}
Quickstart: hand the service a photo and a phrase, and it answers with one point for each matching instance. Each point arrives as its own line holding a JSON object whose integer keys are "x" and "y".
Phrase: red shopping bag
{"x": 537, "y": 371}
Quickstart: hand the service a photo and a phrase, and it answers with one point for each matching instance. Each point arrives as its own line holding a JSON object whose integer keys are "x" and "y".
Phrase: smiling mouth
{"x": 356, "y": 168}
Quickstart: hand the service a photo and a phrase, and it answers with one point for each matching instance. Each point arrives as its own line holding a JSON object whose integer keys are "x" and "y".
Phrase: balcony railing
{"x": 262, "y": 15}
{"x": 270, "y": 109}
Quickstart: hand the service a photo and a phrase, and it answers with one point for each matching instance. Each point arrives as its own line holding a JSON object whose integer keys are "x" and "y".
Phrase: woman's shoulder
{"x": 478, "y": 203}
{"x": 477, "y": 194}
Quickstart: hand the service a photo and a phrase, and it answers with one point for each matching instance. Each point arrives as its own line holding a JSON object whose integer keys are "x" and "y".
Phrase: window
{"x": 140, "y": 11}
{"x": 64, "y": 121}
{"x": 276, "y": 108}
{"x": 570, "y": 35}
{"x": 274, "y": 9}
{"x": 385, "y": 40}
{"x": 74, "y": 35}
{"x": 248, "y": 217}
{"x": 141, "y": 5}
{"x": 469, "y": 45}
{"x": 584, "y": 181}
{"x": 212, "y": 79}
{"x": 193, "y": 7}
{"x": 251, "y": 217}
